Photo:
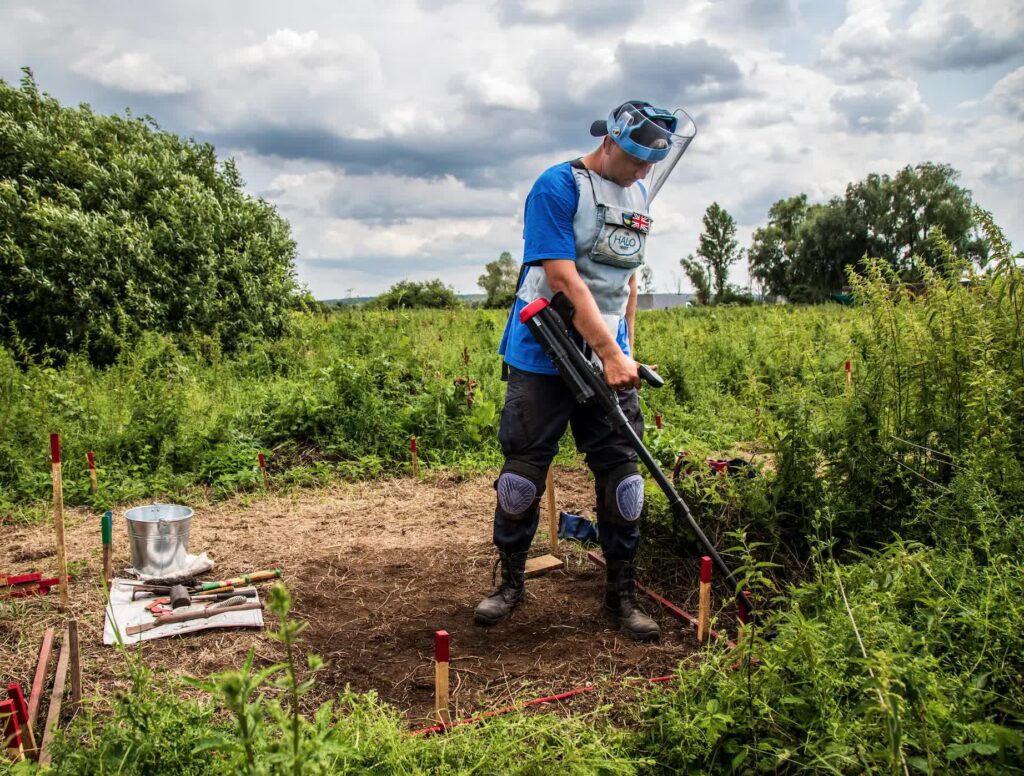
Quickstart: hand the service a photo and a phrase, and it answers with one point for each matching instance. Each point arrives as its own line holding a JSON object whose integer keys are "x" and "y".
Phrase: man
{"x": 585, "y": 232}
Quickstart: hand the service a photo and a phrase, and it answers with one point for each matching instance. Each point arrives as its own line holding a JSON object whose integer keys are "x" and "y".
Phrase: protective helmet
{"x": 653, "y": 135}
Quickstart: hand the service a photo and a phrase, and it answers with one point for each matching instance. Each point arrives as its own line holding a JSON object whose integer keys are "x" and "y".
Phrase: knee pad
{"x": 623, "y": 495}
{"x": 519, "y": 489}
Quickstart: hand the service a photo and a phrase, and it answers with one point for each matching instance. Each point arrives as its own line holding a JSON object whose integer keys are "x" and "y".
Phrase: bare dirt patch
{"x": 375, "y": 568}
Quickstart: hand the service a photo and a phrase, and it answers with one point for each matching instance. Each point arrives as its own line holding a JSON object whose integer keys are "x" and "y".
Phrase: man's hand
{"x": 620, "y": 372}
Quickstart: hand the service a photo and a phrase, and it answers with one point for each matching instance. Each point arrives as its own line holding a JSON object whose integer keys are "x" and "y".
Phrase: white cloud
{"x": 879, "y": 37}
{"x": 1008, "y": 94}
{"x": 496, "y": 91}
{"x": 131, "y": 71}
{"x": 882, "y": 106}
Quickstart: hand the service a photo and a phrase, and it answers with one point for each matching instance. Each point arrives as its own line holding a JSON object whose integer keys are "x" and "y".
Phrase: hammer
{"x": 179, "y": 596}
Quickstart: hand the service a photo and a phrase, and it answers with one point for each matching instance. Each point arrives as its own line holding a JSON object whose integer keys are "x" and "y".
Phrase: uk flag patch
{"x": 638, "y": 222}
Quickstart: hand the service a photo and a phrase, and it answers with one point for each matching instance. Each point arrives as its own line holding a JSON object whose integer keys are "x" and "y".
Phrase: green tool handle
{"x": 107, "y": 529}
{"x": 245, "y": 579}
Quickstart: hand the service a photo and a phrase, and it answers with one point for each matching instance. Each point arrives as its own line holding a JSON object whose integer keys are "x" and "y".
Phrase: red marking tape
{"x": 412, "y": 444}
{"x": 92, "y": 461}
{"x": 55, "y": 448}
{"x": 705, "y": 569}
{"x": 262, "y": 460}
{"x": 442, "y": 650}
{"x": 657, "y": 421}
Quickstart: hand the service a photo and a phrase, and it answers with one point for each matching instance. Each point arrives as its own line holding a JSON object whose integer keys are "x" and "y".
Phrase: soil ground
{"x": 374, "y": 568}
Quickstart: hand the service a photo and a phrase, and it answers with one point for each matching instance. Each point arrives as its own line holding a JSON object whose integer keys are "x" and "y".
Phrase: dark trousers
{"x": 537, "y": 410}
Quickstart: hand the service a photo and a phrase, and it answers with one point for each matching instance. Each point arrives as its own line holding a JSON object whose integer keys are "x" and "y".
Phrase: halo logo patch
{"x": 624, "y": 242}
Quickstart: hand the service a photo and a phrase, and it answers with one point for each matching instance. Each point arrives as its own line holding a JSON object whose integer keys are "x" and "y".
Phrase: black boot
{"x": 499, "y": 604}
{"x": 620, "y": 603}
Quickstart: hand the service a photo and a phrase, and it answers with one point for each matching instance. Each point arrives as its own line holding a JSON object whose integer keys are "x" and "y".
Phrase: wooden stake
{"x": 17, "y": 697}
{"x": 56, "y": 699}
{"x": 657, "y": 421}
{"x": 704, "y": 613}
{"x": 92, "y": 471}
{"x": 441, "y": 656}
{"x": 76, "y": 666}
{"x": 58, "y": 516}
{"x": 415, "y": 461}
{"x": 107, "y": 536}
{"x": 849, "y": 374}
{"x": 39, "y": 681}
{"x": 263, "y": 470}
{"x": 549, "y": 497}
{"x": 12, "y": 732}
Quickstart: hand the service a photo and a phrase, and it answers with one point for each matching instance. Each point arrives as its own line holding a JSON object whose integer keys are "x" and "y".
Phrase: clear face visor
{"x": 656, "y": 136}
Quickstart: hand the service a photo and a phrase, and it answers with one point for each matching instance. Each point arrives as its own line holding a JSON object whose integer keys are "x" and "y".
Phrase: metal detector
{"x": 549, "y": 322}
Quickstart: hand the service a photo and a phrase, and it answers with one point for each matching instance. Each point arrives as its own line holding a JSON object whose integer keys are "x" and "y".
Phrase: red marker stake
{"x": 17, "y": 697}
{"x": 58, "y": 516}
{"x": 415, "y": 460}
{"x": 263, "y": 470}
{"x": 742, "y": 616}
{"x": 849, "y": 374}
{"x": 12, "y": 733}
{"x": 704, "y": 613}
{"x": 441, "y": 656}
{"x": 657, "y": 421}
{"x": 92, "y": 470}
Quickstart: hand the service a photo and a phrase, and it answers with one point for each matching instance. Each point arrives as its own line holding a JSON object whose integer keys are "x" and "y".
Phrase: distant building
{"x": 663, "y": 301}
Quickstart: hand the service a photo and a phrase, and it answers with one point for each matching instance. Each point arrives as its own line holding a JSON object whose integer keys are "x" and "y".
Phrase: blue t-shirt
{"x": 547, "y": 234}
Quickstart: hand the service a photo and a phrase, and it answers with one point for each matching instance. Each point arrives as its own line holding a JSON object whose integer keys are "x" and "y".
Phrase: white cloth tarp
{"x": 123, "y": 611}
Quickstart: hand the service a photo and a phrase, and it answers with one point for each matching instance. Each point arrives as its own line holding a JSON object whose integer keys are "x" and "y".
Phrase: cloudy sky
{"x": 400, "y": 137}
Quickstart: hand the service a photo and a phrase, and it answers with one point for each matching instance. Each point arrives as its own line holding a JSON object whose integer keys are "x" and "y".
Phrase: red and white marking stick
{"x": 849, "y": 374}
{"x": 415, "y": 460}
{"x": 92, "y": 470}
{"x": 549, "y": 497}
{"x": 441, "y": 655}
{"x": 58, "y": 515}
{"x": 17, "y": 697}
{"x": 263, "y": 469}
{"x": 704, "y": 613}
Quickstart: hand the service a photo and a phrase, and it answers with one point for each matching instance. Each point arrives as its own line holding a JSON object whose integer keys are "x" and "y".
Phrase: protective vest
{"x": 610, "y": 229}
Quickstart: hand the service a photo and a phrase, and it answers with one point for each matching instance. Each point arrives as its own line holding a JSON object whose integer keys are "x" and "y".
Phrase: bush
{"x": 408, "y": 294}
{"x": 111, "y": 227}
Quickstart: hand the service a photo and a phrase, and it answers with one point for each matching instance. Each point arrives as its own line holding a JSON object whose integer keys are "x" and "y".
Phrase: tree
{"x": 717, "y": 247}
{"x": 806, "y": 250}
{"x": 111, "y": 227}
{"x": 773, "y": 248}
{"x": 646, "y": 279}
{"x": 410, "y": 294}
{"x": 699, "y": 278}
{"x": 499, "y": 281}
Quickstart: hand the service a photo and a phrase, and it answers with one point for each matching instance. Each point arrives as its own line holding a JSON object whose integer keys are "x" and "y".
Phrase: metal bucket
{"x": 158, "y": 535}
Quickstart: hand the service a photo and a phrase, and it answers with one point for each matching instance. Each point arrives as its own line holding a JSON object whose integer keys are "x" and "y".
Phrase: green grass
{"x": 897, "y": 648}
